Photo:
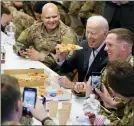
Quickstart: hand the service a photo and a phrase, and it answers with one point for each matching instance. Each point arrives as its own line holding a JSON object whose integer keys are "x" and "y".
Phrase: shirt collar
{"x": 98, "y": 49}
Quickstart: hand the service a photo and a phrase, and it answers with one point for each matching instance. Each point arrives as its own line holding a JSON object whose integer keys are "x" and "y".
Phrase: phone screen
{"x": 29, "y": 98}
{"x": 96, "y": 80}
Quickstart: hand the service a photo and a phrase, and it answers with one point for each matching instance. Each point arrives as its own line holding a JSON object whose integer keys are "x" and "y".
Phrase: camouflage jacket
{"x": 28, "y": 8}
{"x": 121, "y": 116}
{"x": 21, "y": 21}
{"x": 129, "y": 59}
{"x": 45, "y": 42}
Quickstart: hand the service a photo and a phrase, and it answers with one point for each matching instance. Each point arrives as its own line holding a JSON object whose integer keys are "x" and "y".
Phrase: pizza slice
{"x": 68, "y": 47}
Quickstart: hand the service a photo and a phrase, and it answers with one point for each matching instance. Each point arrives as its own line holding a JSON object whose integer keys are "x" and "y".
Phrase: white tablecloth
{"x": 13, "y": 61}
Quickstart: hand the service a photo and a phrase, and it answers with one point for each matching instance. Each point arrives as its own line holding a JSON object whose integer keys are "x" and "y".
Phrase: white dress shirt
{"x": 91, "y": 58}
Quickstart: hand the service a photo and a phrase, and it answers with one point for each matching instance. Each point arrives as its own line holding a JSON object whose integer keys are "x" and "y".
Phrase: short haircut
{"x": 123, "y": 34}
{"x": 120, "y": 77}
{"x": 4, "y": 9}
{"x": 10, "y": 94}
{"x": 103, "y": 23}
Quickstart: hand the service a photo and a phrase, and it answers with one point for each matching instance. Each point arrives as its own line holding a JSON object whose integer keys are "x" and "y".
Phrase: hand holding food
{"x": 67, "y": 47}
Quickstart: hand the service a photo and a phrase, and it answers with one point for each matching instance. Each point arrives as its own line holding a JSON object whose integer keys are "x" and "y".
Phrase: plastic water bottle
{"x": 10, "y": 31}
{"x": 91, "y": 105}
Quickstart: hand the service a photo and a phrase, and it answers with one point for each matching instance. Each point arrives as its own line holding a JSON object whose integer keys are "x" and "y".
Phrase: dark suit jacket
{"x": 80, "y": 61}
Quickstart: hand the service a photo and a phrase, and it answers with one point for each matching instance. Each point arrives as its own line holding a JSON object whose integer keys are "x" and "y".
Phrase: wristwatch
{"x": 47, "y": 118}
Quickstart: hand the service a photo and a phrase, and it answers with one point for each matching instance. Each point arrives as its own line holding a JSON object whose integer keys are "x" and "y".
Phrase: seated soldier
{"x": 120, "y": 77}
{"x": 44, "y": 37}
{"x": 11, "y": 104}
{"x": 20, "y": 19}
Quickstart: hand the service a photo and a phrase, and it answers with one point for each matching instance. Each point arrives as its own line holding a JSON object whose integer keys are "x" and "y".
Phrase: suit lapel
{"x": 87, "y": 54}
{"x": 100, "y": 56}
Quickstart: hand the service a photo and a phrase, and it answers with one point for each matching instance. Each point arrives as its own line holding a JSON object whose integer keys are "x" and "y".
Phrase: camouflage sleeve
{"x": 21, "y": 21}
{"x": 87, "y": 7}
{"x": 49, "y": 122}
{"x": 127, "y": 118}
{"x": 75, "y": 7}
{"x": 21, "y": 41}
{"x": 69, "y": 37}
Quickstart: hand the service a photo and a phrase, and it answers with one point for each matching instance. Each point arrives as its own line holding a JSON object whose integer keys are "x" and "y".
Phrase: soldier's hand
{"x": 80, "y": 87}
{"x": 65, "y": 82}
{"x": 39, "y": 112}
{"x": 23, "y": 53}
{"x": 60, "y": 56}
{"x": 33, "y": 54}
{"x": 108, "y": 101}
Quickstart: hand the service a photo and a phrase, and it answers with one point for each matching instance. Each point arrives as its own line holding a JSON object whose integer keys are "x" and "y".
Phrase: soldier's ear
{"x": 59, "y": 15}
{"x": 125, "y": 46}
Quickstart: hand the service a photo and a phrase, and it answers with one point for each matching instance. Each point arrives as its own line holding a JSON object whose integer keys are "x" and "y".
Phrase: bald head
{"x": 50, "y": 16}
{"x": 50, "y": 7}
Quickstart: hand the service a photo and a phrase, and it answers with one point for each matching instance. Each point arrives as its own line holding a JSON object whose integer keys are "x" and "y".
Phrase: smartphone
{"x": 29, "y": 97}
{"x": 96, "y": 80}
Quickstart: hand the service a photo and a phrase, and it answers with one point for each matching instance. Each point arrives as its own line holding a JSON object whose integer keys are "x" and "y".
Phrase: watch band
{"x": 47, "y": 118}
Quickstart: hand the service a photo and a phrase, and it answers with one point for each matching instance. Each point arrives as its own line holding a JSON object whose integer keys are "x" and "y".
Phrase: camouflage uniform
{"x": 121, "y": 116}
{"x": 129, "y": 59}
{"x": 9, "y": 5}
{"x": 123, "y": 111}
{"x": 21, "y": 21}
{"x": 45, "y": 43}
{"x": 81, "y": 11}
{"x": 76, "y": 23}
{"x": 90, "y": 8}
{"x": 28, "y": 8}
